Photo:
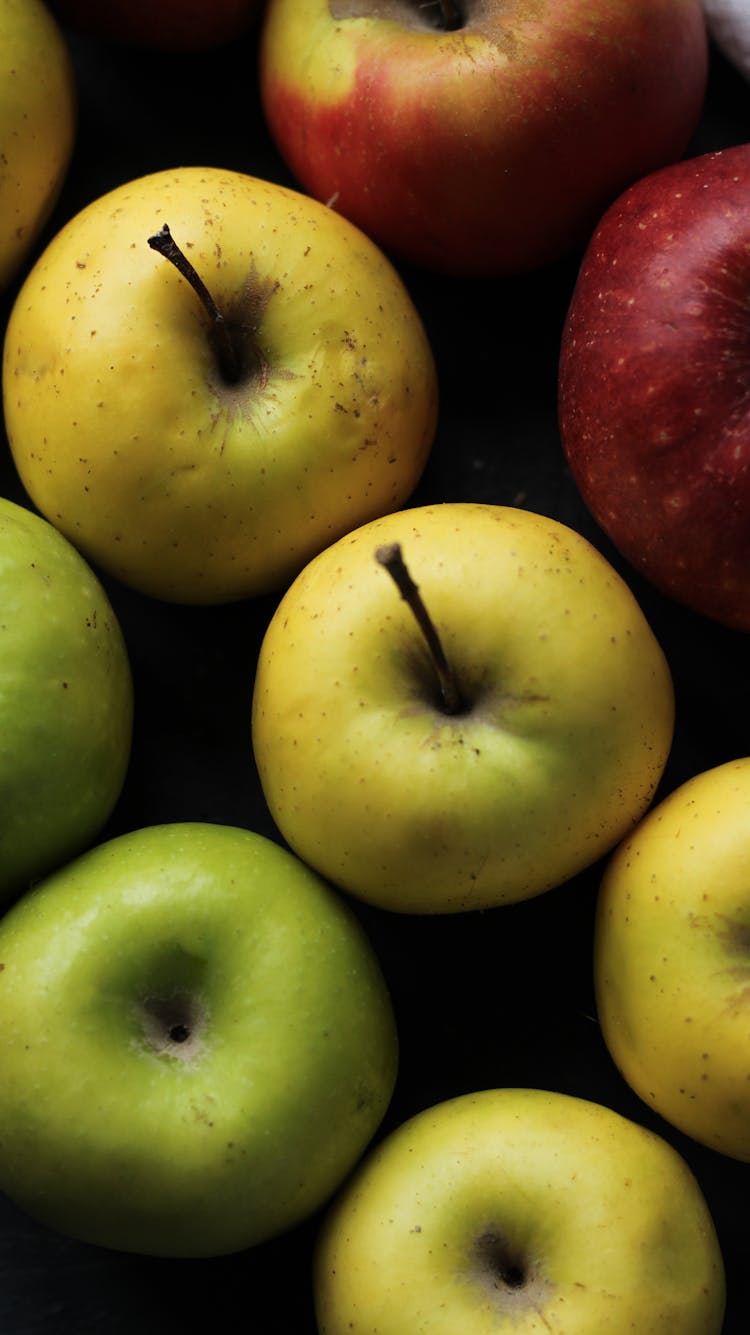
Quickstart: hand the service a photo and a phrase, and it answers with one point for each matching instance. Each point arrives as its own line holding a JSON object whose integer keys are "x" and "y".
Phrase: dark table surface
{"x": 500, "y": 998}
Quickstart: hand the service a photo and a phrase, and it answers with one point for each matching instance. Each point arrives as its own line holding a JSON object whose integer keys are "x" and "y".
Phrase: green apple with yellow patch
{"x": 197, "y": 1043}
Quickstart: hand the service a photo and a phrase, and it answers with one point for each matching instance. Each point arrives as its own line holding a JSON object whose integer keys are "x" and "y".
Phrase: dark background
{"x": 499, "y": 998}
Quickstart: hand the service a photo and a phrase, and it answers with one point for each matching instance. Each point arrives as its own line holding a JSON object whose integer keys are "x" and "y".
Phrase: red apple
{"x": 654, "y": 391}
{"x": 487, "y": 148}
{"x": 166, "y": 25}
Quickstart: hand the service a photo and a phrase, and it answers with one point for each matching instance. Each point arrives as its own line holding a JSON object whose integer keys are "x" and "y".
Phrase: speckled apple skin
{"x": 672, "y": 958}
{"x": 653, "y": 384}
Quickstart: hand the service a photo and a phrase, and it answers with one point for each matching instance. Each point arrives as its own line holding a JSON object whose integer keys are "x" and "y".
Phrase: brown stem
{"x": 164, "y": 243}
{"x": 391, "y": 557}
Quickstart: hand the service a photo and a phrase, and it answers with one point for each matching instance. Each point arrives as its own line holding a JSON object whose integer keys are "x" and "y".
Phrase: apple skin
{"x": 520, "y": 1210}
{"x": 671, "y": 958}
{"x": 170, "y": 25}
{"x": 117, "y": 1133}
{"x": 653, "y": 381}
{"x": 66, "y": 701}
{"x": 38, "y": 111}
{"x": 127, "y": 436}
{"x": 489, "y": 150}
{"x": 567, "y": 727}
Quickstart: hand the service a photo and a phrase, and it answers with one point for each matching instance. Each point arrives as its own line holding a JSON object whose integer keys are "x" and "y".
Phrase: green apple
{"x": 520, "y": 1211}
{"x": 201, "y": 445}
{"x": 197, "y": 1043}
{"x": 672, "y": 958}
{"x": 37, "y": 125}
{"x": 549, "y": 753}
{"x": 66, "y": 700}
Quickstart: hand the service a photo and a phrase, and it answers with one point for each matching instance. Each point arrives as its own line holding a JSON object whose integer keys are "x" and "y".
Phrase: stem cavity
{"x": 229, "y": 362}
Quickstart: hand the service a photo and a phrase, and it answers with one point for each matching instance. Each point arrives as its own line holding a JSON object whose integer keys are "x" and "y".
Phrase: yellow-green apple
{"x": 201, "y": 445}
{"x": 479, "y": 136}
{"x": 653, "y": 381}
{"x": 466, "y": 747}
{"x": 66, "y": 701}
{"x": 197, "y": 1043}
{"x": 170, "y": 25}
{"x": 672, "y": 958}
{"x": 37, "y": 126}
{"x": 520, "y": 1211}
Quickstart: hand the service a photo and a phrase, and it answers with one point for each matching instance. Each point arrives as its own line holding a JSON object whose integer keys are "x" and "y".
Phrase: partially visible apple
{"x": 653, "y": 388}
{"x": 520, "y": 1211}
{"x": 37, "y": 126}
{"x": 428, "y": 786}
{"x": 162, "y": 25}
{"x": 728, "y": 23}
{"x": 672, "y": 958}
{"x": 201, "y": 445}
{"x": 197, "y": 1043}
{"x": 479, "y": 136}
{"x": 66, "y": 701}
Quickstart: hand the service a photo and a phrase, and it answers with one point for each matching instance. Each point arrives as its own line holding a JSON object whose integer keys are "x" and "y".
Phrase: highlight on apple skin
{"x": 197, "y": 1043}
{"x": 653, "y": 381}
{"x": 671, "y": 951}
{"x": 516, "y": 1211}
{"x": 551, "y": 753}
{"x": 488, "y": 145}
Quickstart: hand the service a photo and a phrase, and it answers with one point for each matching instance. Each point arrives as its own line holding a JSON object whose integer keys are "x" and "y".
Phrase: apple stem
{"x": 163, "y": 242}
{"x": 391, "y": 557}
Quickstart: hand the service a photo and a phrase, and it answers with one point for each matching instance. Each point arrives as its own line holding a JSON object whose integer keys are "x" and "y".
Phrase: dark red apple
{"x": 480, "y": 136}
{"x": 165, "y": 25}
{"x": 654, "y": 388}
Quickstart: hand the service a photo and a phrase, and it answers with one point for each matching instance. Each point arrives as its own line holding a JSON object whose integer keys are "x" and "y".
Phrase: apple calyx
{"x": 390, "y": 556}
{"x": 172, "y": 1024}
{"x": 231, "y": 343}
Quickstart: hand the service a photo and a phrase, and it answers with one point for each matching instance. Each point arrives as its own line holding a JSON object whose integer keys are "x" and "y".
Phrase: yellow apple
{"x": 185, "y": 477}
{"x": 37, "y": 125}
{"x": 672, "y": 958}
{"x": 550, "y": 754}
{"x": 520, "y": 1211}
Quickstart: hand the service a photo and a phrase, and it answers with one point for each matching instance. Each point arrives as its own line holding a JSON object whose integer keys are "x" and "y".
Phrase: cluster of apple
{"x": 236, "y": 396}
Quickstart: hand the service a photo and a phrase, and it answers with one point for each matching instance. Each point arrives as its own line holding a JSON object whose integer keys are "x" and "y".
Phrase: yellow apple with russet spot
{"x": 540, "y": 751}
{"x": 520, "y": 1211}
{"x": 201, "y": 445}
{"x": 38, "y": 110}
{"x": 672, "y": 958}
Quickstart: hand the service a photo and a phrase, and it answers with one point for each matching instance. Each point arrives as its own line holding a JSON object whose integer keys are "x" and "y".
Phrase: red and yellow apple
{"x": 488, "y": 140}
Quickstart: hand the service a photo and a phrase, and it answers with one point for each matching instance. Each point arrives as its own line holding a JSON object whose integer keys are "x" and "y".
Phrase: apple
{"x": 37, "y": 126}
{"x": 671, "y": 950}
{"x": 197, "y": 1043}
{"x": 519, "y": 1210}
{"x": 653, "y": 381}
{"x": 470, "y": 747}
{"x": 169, "y": 25}
{"x": 479, "y": 136}
{"x": 66, "y": 701}
{"x": 728, "y": 24}
{"x": 201, "y": 445}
